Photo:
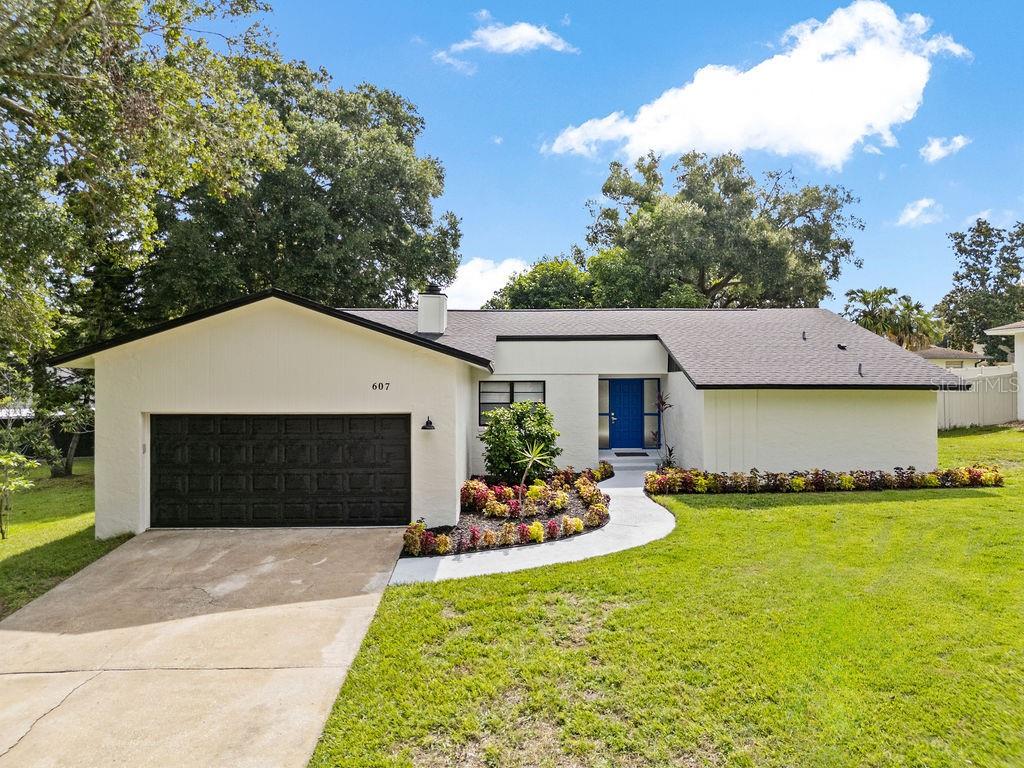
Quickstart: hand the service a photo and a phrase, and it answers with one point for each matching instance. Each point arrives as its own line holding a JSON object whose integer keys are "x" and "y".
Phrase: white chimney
{"x": 432, "y": 311}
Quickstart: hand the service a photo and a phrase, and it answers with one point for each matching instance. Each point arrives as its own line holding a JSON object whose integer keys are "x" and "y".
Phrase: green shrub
{"x": 559, "y": 501}
{"x": 507, "y": 535}
{"x": 510, "y": 432}
{"x": 577, "y": 524}
{"x": 495, "y": 508}
{"x": 537, "y": 493}
{"x": 797, "y": 484}
{"x": 413, "y": 538}
{"x": 846, "y": 483}
{"x": 443, "y": 544}
{"x": 537, "y": 531}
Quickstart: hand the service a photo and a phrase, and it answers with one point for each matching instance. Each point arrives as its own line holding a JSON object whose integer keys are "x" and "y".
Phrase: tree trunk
{"x": 64, "y": 467}
{"x": 69, "y": 457}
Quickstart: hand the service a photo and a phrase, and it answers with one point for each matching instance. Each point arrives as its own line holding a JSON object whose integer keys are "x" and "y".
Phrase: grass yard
{"x": 52, "y": 536}
{"x": 869, "y": 629}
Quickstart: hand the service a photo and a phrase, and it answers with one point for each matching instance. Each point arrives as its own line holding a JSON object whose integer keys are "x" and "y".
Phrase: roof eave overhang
{"x": 868, "y": 387}
{"x": 1004, "y": 330}
{"x": 79, "y": 357}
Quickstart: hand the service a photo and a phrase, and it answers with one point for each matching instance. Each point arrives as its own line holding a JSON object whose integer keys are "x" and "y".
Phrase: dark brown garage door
{"x": 279, "y": 470}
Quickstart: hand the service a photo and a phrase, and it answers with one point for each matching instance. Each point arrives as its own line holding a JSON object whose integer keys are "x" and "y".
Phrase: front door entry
{"x": 626, "y": 413}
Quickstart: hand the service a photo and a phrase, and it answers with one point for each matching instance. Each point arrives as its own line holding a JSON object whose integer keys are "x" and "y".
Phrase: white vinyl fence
{"x": 992, "y": 399}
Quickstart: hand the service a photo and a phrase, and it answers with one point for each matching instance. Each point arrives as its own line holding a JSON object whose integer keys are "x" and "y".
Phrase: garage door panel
{"x": 233, "y": 483}
{"x": 233, "y": 513}
{"x": 264, "y": 470}
{"x": 233, "y": 453}
{"x": 298, "y": 514}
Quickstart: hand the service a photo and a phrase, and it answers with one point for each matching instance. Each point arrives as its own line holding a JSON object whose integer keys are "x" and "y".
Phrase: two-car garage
{"x": 279, "y": 470}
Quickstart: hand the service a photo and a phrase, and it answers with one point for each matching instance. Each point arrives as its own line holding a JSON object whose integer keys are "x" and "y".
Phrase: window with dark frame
{"x": 501, "y": 394}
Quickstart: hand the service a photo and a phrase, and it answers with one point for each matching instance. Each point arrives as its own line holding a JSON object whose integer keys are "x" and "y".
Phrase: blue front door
{"x": 626, "y": 413}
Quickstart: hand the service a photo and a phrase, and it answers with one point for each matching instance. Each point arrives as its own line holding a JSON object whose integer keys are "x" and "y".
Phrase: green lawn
{"x": 52, "y": 536}
{"x": 868, "y": 629}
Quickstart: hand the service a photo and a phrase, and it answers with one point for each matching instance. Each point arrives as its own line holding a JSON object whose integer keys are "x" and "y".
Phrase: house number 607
{"x": 381, "y": 386}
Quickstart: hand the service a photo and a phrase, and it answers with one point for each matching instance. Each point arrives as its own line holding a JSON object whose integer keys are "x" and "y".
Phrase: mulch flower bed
{"x": 677, "y": 480}
{"x": 564, "y": 505}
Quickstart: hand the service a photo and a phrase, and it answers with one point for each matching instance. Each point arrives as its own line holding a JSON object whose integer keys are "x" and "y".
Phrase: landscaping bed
{"x": 675, "y": 480}
{"x": 498, "y": 516}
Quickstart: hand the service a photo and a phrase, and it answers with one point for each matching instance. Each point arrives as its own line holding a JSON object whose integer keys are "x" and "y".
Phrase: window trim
{"x": 511, "y": 393}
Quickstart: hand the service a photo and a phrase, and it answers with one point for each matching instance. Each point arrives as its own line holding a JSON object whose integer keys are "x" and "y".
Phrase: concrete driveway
{"x": 191, "y": 648}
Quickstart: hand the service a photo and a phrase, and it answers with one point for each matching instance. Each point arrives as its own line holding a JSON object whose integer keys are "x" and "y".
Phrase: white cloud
{"x": 1003, "y": 217}
{"x": 499, "y": 140}
{"x": 459, "y": 65}
{"x": 935, "y": 149}
{"x": 919, "y": 213}
{"x": 513, "y": 38}
{"x": 871, "y": 149}
{"x": 478, "y": 279}
{"x": 495, "y": 37}
{"x": 566, "y": 20}
{"x": 836, "y": 83}
{"x": 985, "y": 214}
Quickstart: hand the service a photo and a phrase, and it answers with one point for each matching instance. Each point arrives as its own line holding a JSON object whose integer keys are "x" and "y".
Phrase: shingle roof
{"x": 1008, "y": 328}
{"x": 717, "y": 349}
{"x": 943, "y": 353}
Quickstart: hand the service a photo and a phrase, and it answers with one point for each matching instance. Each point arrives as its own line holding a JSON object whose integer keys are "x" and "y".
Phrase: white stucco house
{"x": 275, "y": 410}
{"x": 955, "y": 359}
{"x": 1016, "y": 332}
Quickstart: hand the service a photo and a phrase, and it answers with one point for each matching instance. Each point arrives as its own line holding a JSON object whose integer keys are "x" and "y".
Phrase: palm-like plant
{"x": 913, "y": 326}
{"x": 871, "y": 309}
{"x": 535, "y": 454}
{"x": 901, "y": 320}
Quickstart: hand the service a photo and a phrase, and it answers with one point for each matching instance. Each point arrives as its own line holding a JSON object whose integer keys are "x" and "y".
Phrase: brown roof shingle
{"x": 943, "y": 353}
{"x": 717, "y": 348}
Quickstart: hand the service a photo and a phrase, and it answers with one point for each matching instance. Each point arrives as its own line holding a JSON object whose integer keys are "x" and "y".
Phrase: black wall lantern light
{"x": 428, "y": 424}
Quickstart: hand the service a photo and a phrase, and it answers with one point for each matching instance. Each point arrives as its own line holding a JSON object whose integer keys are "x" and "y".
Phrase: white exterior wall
{"x": 274, "y": 357}
{"x": 785, "y": 430}
{"x": 570, "y": 371}
{"x": 684, "y": 421}
{"x": 1018, "y": 366}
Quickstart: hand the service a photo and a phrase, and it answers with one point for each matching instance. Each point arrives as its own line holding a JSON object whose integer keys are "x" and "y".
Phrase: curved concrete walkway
{"x": 635, "y": 520}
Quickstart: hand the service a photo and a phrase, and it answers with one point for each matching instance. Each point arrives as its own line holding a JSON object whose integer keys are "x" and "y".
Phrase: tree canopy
{"x": 719, "y": 238}
{"x": 987, "y": 289}
{"x": 348, "y": 220}
{"x": 104, "y": 105}
{"x": 899, "y": 319}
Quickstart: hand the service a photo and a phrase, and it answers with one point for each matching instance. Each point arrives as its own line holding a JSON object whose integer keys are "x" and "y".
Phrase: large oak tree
{"x": 717, "y": 238}
{"x": 104, "y": 104}
{"x": 987, "y": 286}
{"x": 348, "y": 220}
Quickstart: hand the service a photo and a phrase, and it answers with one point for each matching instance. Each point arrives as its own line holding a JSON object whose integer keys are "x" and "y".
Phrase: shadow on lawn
{"x": 26, "y": 575}
{"x": 773, "y": 500}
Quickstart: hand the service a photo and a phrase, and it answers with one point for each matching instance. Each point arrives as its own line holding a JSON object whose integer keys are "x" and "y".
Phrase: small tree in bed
{"x": 513, "y": 431}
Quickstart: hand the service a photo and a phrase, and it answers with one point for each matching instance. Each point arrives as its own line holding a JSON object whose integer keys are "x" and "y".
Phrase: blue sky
{"x": 515, "y": 97}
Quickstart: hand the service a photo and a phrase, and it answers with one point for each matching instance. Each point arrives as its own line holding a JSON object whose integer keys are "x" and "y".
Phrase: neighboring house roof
{"x": 715, "y": 348}
{"x": 16, "y": 411}
{"x": 942, "y": 353}
{"x": 1009, "y": 328}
